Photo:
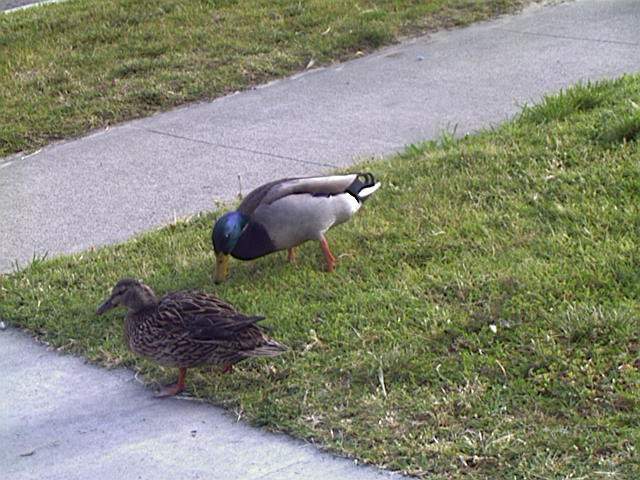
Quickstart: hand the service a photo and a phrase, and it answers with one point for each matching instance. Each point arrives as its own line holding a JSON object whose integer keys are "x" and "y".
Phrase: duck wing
{"x": 272, "y": 191}
{"x": 200, "y": 316}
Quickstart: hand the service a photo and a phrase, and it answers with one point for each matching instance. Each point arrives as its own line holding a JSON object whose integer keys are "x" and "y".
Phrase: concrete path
{"x": 75, "y": 421}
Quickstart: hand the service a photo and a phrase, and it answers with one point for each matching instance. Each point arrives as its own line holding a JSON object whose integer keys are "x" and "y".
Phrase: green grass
{"x": 74, "y": 66}
{"x": 483, "y": 321}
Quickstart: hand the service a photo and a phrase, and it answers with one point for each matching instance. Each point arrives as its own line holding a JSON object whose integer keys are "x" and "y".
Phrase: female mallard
{"x": 186, "y": 329}
{"x": 285, "y": 213}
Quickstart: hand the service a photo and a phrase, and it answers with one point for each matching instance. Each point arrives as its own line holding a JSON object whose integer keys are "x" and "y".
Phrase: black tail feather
{"x": 363, "y": 180}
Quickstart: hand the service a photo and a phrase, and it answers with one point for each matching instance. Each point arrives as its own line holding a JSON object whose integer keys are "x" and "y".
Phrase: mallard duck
{"x": 285, "y": 213}
{"x": 187, "y": 328}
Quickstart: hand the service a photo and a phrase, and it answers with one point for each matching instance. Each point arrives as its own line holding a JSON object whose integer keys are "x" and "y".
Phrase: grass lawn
{"x": 483, "y": 321}
{"x": 78, "y": 65}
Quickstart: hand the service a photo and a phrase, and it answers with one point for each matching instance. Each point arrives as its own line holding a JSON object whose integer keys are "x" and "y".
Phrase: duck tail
{"x": 269, "y": 349}
{"x": 363, "y": 186}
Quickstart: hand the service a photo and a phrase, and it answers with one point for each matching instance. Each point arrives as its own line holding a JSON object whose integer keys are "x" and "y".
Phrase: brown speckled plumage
{"x": 187, "y": 328}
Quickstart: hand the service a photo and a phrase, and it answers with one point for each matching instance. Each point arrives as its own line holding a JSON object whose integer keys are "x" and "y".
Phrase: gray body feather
{"x": 296, "y": 210}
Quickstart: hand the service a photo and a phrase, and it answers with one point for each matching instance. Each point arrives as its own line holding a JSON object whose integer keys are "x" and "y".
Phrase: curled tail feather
{"x": 363, "y": 186}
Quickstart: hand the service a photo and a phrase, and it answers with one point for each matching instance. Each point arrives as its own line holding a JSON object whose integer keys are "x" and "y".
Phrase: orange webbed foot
{"x": 174, "y": 388}
{"x": 329, "y": 257}
{"x": 291, "y": 255}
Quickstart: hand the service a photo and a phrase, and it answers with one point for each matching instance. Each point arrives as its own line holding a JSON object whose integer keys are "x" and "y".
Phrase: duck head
{"x": 130, "y": 293}
{"x": 225, "y": 235}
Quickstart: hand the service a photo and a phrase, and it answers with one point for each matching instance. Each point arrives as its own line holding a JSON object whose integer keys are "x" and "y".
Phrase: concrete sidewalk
{"x": 84, "y": 422}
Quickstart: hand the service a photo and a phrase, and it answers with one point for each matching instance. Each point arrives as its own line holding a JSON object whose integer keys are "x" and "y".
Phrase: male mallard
{"x": 285, "y": 213}
{"x": 186, "y": 329}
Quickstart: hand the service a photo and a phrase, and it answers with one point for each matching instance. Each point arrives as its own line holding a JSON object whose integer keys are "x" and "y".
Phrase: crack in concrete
{"x": 568, "y": 37}
{"x": 231, "y": 147}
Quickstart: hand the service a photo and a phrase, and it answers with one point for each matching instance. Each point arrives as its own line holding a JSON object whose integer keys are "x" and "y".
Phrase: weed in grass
{"x": 621, "y": 125}
{"x": 482, "y": 321}
{"x": 582, "y": 97}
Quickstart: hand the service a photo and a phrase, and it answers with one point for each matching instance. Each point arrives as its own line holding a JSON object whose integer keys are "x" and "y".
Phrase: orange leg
{"x": 291, "y": 255}
{"x": 331, "y": 260}
{"x": 175, "y": 388}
